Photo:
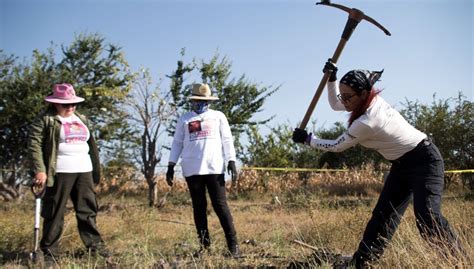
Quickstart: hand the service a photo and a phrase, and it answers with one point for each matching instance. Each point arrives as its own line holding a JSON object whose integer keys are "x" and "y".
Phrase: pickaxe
{"x": 355, "y": 16}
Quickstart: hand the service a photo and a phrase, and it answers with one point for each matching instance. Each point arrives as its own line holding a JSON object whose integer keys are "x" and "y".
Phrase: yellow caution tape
{"x": 290, "y": 169}
{"x": 460, "y": 171}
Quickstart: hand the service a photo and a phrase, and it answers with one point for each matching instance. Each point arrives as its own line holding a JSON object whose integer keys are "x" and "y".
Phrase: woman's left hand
{"x": 40, "y": 179}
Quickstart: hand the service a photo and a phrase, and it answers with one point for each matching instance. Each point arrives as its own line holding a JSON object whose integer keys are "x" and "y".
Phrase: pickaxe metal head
{"x": 354, "y": 14}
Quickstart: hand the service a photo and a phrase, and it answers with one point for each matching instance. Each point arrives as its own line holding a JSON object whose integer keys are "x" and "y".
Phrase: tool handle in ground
{"x": 38, "y": 196}
{"x": 36, "y": 238}
{"x": 37, "y": 213}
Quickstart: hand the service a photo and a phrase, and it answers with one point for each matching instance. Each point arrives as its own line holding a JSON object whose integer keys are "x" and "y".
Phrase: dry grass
{"x": 364, "y": 181}
{"x": 324, "y": 210}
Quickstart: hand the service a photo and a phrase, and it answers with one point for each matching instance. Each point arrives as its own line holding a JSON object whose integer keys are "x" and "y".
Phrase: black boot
{"x": 204, "y": 243}
{"x": 360, "y": 261}
{"x": 233, "y": 246}
{"x": 234, "y": 252}
{"x": 49, "y": 259}
{"x": 201, "y": 252}
{"x": 204, "y": 239}
{"x": 99, "y": 250}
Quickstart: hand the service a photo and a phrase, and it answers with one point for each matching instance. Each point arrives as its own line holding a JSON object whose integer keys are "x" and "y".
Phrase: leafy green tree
{"x": 275, "y": 150}
{"x": 450, "y": 124}
{"x": 178, "y": 89}
{"x": 100, "y": 73}
{"x": 240, "y": 99}
{"x": 20, "y": 101}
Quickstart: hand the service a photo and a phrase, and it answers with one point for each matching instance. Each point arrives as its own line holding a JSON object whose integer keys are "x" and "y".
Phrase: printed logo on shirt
{"x": 75, "y": 132}
{"x": 194, "y": 126}
{"x": 200, "y": 130}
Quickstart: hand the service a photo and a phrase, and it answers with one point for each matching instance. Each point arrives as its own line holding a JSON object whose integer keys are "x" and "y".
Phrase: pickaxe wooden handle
{"x": 355, "y": 16}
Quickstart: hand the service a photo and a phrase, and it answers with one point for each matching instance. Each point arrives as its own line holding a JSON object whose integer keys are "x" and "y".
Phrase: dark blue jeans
{"x": 419, "y": 176}
{"x": 215, "y": 185}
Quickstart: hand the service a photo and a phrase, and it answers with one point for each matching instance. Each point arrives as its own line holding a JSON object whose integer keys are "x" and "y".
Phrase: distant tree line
{"x": 134, "y": 116}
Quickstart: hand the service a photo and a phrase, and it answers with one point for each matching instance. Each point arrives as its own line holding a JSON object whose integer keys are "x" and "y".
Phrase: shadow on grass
{"x": 323, "y": 258}
{"x": 21, "y": 259}
{"x": 346, "y": 203}
{"x": 14, "y": 257}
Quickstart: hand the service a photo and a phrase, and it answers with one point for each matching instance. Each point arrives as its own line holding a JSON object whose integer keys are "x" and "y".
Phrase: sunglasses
{"x": 68, "y": 105}
{"x": 345, "y": 97}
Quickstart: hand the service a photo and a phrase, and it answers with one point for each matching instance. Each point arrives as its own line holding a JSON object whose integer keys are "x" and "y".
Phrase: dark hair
{"x": 356, "y": 113}
{"x": 360, "y": 80}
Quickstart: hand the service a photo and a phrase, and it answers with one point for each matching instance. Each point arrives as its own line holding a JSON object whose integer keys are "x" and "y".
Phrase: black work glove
{"x": 300, "y": 135}
{"x": 331, "y": 68}
{"x": 170, "y": 175}
{"x": 232, "y": 171}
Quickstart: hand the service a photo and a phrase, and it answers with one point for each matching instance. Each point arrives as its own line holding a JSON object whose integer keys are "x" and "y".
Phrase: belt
{"x": 423, "y": 143}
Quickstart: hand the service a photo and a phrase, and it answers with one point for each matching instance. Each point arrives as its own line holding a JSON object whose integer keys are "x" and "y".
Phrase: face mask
{"x": 200, "y": 107}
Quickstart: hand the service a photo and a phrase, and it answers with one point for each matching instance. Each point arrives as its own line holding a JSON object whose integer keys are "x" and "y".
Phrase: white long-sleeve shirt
{"x": 381, "y": 128}
{"x": 204, "y": 142}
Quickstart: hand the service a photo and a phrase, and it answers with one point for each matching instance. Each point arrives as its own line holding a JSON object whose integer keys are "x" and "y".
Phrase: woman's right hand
{"x": 40, "y": 179}
{"x": 299, "y": 135}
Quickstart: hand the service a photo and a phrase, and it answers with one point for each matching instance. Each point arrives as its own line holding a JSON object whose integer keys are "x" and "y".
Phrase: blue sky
{"x": 272, "y": 42}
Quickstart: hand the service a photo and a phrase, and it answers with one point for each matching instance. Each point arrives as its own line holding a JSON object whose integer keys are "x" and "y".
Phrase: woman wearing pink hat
{"x": 65, "y": 161}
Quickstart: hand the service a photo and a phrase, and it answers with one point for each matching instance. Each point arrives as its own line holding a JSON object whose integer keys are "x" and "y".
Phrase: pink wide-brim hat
{"x": 63, "y": 94}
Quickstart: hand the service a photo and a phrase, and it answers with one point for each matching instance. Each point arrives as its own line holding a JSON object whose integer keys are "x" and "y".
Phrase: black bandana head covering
{"x": 360, "y": 80}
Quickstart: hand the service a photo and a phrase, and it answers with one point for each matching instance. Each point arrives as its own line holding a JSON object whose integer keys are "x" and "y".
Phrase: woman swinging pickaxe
{"x": 355, "y": 16}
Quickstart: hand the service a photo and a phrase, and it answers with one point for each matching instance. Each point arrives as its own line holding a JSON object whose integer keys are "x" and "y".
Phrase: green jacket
{"x": 43, "y": 146}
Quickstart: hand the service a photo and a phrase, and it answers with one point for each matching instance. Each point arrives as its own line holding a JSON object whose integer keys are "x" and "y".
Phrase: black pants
{"x": 80, "y": 188}
{"x": 419, "y": 176}
{"x": 215, "y": 185}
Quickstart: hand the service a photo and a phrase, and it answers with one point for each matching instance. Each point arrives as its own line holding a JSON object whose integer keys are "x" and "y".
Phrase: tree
{"x": 451, "y": 128}
{"x": 8, "y": 169}
{"x": 275, "y": 150}
{"x": 240, "y": 99}
{"x": 20, "y": 101}
{"x": 151, "y": 111}
{"x": 100, "y": 73}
